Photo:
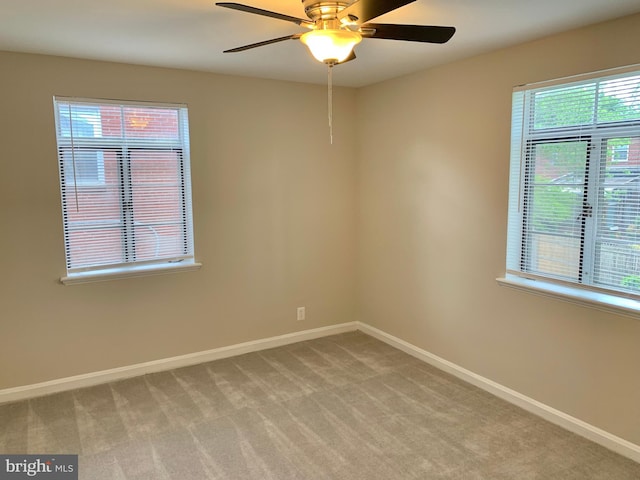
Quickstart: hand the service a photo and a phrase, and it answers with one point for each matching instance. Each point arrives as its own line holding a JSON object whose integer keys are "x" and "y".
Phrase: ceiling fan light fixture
{"x": 331, "y": 45}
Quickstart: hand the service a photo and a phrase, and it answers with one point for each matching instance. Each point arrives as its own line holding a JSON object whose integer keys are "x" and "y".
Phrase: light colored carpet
{"x": 341, "y": 407}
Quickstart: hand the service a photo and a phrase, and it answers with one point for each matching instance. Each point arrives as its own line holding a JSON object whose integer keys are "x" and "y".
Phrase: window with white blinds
{"x": 574, "y": 207}
{"x": 125, "y": 186}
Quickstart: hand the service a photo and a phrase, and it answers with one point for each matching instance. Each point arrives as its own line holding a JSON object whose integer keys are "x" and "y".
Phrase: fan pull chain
{"x": 330, "y": 99}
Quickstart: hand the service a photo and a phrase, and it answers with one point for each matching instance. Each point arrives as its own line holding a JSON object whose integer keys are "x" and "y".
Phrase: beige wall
{"x": 274, "y": 208}
{"x": 433, "y": 187}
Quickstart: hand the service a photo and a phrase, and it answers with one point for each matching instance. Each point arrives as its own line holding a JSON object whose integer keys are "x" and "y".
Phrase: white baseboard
{"x": 575, "y": 425}
{"x": 104, "y": 376}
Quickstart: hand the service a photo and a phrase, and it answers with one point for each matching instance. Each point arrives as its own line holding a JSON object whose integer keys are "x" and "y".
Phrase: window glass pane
{"x": 158, "y": 240}
{"x": 92, "y": 210}
{"x": 564, "y": 107}
{"x": 82, "y": 121}
{"x": 619, "y": 100}
{"x": 554, "y": 256}
{"x": 111, "y": 121}
{"x": 554, "y": 203}
{"x": 618, "y": 239}
{"x": 158, "y": 208}
{"x": 92, "y": 244}
{"x": 83, "y": 166}
{"x": 157, "y": 123}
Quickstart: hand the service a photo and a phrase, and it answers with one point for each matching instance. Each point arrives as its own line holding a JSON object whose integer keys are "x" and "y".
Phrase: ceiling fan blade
{"x": 260, "y": 44}
{"x": 410, "y": 33}
{"x": 362, "y": 11}
{"x": 265, "y": 13}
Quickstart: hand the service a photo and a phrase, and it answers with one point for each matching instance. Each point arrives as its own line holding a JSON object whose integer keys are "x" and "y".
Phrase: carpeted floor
{"x": 341, "y": 407}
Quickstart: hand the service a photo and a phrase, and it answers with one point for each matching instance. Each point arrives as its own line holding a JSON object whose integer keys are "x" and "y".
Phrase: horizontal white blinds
{"x": 575, "y": 182}
{"x": 125, "y": 183}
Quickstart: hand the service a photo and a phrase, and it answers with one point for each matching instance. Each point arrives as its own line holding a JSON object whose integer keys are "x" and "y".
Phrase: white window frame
{"x": 128, "y": 266}
{"x": 583, "y": 290}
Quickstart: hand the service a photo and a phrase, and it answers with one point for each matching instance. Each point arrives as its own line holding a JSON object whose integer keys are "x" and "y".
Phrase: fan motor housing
{"x": 319, "y": 10}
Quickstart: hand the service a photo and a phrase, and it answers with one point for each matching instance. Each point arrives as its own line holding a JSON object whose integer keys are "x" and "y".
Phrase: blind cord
{"x": 73, "y": 161}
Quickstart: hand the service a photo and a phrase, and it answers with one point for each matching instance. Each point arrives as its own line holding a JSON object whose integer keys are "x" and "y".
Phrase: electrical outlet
{"x": 301, "y": 313}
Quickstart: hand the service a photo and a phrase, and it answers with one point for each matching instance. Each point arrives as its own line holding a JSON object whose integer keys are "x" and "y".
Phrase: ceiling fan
{"x": 336, "y": 27}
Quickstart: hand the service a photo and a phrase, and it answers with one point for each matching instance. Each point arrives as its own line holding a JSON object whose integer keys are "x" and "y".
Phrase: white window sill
{"x": 602, "y": 301}
{"x": 128, "y": 272}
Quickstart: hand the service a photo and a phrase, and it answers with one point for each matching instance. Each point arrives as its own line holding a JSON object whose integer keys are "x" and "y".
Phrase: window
{"x": 574, "y": 209}
{"x": 620, "y": 152}
{"x": 125, "y": 186}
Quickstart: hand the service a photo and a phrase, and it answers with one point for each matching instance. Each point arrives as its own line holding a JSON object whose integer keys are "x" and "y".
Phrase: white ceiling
{"x": 192, "y": 34}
